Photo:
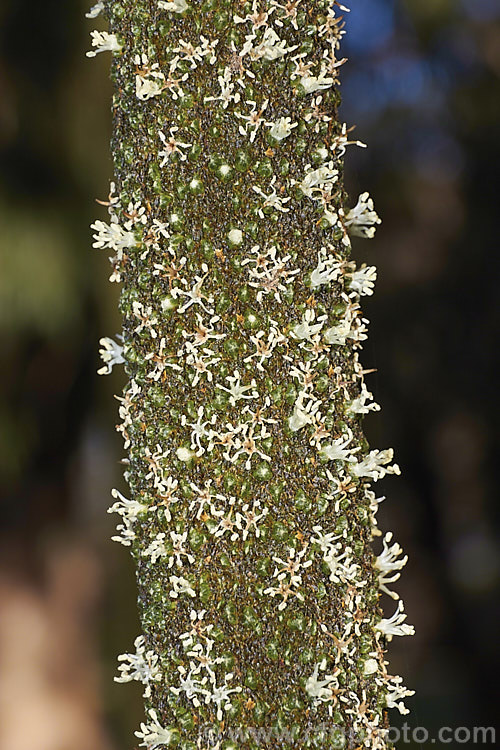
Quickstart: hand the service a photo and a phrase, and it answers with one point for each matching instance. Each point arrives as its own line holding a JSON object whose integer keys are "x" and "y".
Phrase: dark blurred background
{"x": 423, "y": 86}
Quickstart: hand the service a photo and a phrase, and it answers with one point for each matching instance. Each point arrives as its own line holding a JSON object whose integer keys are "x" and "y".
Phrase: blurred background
{"x": 423, "y": 86}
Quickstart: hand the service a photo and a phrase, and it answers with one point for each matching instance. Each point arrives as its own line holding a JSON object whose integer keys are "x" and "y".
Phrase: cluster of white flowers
{"x": 341, "y": 449}
{"x": 305, "y": 410}
{"x": 322, "y": 690}
{"x": 317, "y": 182}
{"x": 374, "y": 465}
{"x": 281, "y": 129}
{"x": 114, "y": 237}
{"x": 153, "y": 734}
{"x": 236, "y": 440}
{"x": 265, "y": 347}
{"x": 307, "y": 328}
{"x": 272, "y": 199}
{"x": 103, "y": 42}
{"x": 244, "y": 521}
{"x": 362, "y": 219}
{"x": 327, "y": 270}
{"x": 129, "y": 511}
{"x": 362, "y": 280}
{"x": 395, "y": 625}
{"x": 126, "y": 402}
{"x": 269, "y": 48}
{"x": 268, "y": 272}
{"x": 201, "y": 682}
{"x": 340, "y": 564}
{"x": 289, "y": 576}
{"x": 111, "y": 354}
{"x": 180, "y": 586}
{"x": 388, "y": 562}
{"x": 149, "y": 80}
{"x": 175, "y": 549}
{"x": 194, "y": 54}
{"x": 363, "y": 403}
{"x": 227, "y": 87}
{"x": 311, "y": 83}
{"x": 396, "y": 692}
{"x": 142, "y": 666}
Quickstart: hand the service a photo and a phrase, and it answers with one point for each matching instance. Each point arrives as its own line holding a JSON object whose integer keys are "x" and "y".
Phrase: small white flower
{"x": 112, "y": 236}
{"x": 395, "y": 625}
{"x": 271, "y": 200}
{"x": 363, "y": 280}
{"x": 268, "y": 272}
{"x": 282, "y": 128}
{"x": 189, "y": 685}
{"x": 149, "y": 79}
{"x": 289, "y": 576}
{"x": 338, "y": 450}
{"x": 271, "y": 47}
{"x": 264, "y": 349}
{"x": 303, "y": 414}
{"x": 201, "y": 362}
{"x": 321, "y": 690}
{"x": 397, "y": 691}
{"x": 153, "y": 735}
{"x": 172, "y": 146}
{"x": 342, "y": 568}
{"x": 226, "y": 523}
{"x": 204, "y": 497}
{"x": 179, "y": 550}
{"x": 194, "y": 295}
{"x": 327, "y": 270}
{"x": 130, "y": 509}
{"x": 173, "y": 6}
{"x": 338, "y": 334}
{"x": 248, "y": 518}
{"x": 307, "y": 328}
{"x": 141, "y": 666}
{"x": 220, "y": 696}
{"x": 146, "y": 88}
{"x": 374, "y": 465}
{"x": 180, "y": 586}
{"x": 254, "y": 119}
{"x": 247, "y": 444}
{"x": 236, "y": 390}
{"x": 388, "y": 562}
{"x": 318, "y": 180}
{"x": 361, "y": 405}
{"x": 227, "y": 87}
{"x": 103, "y": 42}
{"x": 310, "y": 84}
{"x": 111, "y": 354}
{"x": 95, "y": 10}
{"x": 361, "y": 219}
{"x": 156, "y": 549}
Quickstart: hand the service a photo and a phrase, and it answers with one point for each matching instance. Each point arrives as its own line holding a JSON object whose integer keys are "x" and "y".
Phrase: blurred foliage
{"x": 422, "y": 83}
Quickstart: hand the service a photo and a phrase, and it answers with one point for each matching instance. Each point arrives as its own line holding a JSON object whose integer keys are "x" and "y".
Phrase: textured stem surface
{"x": 251, "y": 512}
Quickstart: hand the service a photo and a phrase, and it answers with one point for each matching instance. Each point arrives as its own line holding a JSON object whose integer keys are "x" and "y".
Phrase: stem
{"x": 251, "y": 513}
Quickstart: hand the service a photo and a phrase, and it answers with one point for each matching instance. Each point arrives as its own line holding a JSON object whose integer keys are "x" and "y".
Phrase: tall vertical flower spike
{"x": 250, "y": 513}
